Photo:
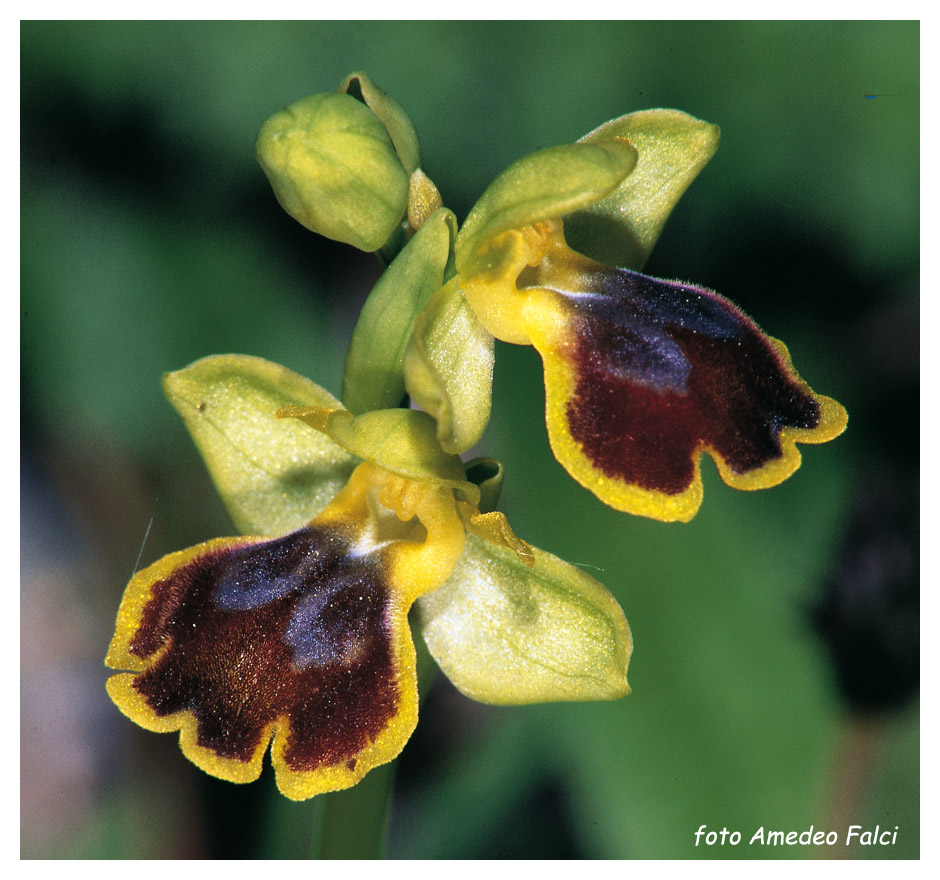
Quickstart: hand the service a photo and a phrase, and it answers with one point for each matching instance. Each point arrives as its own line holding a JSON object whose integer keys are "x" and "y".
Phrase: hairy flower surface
{"x": 303, "y": 638}
{"x": 642, "y": 375}
{"x": 297, "y": 638}
{"x": 302, "y": 641}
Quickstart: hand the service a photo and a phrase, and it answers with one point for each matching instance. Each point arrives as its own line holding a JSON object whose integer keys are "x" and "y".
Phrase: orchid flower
{"x": 641, "y": 375}
{"x": 301, "y": 641}
{"x": 296, "y": 635}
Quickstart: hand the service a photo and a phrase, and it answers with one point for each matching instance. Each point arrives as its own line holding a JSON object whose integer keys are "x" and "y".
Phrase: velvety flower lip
{"x": 301, "y": 639}
{"x": 293, "y": 627}
{"x": 297, "y": 638}
{"x": 642, "y": 375}
{"x": 690, "y": 373}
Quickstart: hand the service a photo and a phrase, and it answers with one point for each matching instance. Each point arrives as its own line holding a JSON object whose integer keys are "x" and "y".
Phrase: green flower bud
{"x": 334, "y": 169}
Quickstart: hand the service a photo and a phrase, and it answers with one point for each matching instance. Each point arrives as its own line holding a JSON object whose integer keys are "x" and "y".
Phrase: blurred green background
{"x": 776, "y": 665}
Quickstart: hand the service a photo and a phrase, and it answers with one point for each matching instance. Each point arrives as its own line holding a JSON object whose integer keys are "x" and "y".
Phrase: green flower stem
{"x": 353, "y": 822}
{"x": 348, "y": 824}
{"x": 286, "y": 829}
{"x": 427, "y": 668}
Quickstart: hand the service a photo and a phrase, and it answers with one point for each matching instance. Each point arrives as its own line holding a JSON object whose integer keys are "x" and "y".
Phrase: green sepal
{"x": 449, "y": 368}
{"x": 374, "y": 375}
{"x": 488, "y": 474}
{"x": 334, "y": 169}
{"x": 273, "y": 476}
{"x": 673, "y": 147}
{"x": 402, "y": 441}
{"x": 509, "y": 633}
{"x": 397, "y": 123}
{"x": 543, "y": 186}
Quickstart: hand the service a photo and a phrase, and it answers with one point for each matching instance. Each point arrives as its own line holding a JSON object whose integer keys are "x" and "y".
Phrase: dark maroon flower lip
{"x": 665, "y": 370}
{"x": 294, "y": 627}
{"x": 643, "y": 376}
{"x": 299, "y": 642}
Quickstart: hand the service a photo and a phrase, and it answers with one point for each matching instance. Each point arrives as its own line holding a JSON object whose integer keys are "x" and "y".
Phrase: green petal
{"x": 397, "y": 123}
{"x": 507, "y": 633}
{"x": 402, "y": 441}
{"x": 334, "y": 169}
{"x": 673, "y": 147}
{"x": 449, "y": 368}
{"x": 273, "y": 476}
{"x": 543, "y": 186}
{"x": 374, "y": 375}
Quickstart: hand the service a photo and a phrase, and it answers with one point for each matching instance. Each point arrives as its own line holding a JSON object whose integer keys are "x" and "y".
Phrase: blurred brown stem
{"x": 857, "y": 750}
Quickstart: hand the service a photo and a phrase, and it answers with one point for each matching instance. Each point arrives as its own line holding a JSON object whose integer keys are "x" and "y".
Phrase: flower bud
{"x": 334, "y": 169}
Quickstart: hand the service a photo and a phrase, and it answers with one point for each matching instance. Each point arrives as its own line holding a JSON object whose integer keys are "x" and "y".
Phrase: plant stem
{"x": 857, "y": 752}
{"x": 353, "y": 822}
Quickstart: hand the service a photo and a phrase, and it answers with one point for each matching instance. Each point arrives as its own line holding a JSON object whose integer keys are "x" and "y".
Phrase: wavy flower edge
{"x": 230, "y": 643}
{"x": 300, "y": 642}
{"x": 643, "y": 376}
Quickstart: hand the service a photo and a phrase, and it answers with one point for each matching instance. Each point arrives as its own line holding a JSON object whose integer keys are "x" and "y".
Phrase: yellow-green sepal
{"x": 509, "y": 631}
{"x": 401, "y": 441}
{"x": 334, "y": 169}
{"x": 397, "y": 123}
{"x": 448, "y": 368}
{"x": 273, "y": 476}
{"x": 673, "y": 147}
{"x": 374, "y": 374}
{"x": 544, "y": 185}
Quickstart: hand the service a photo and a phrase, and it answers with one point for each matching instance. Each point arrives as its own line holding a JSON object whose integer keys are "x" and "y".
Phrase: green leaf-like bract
{"x": 449, "y": 368}
{"x": 397, "y": 123}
